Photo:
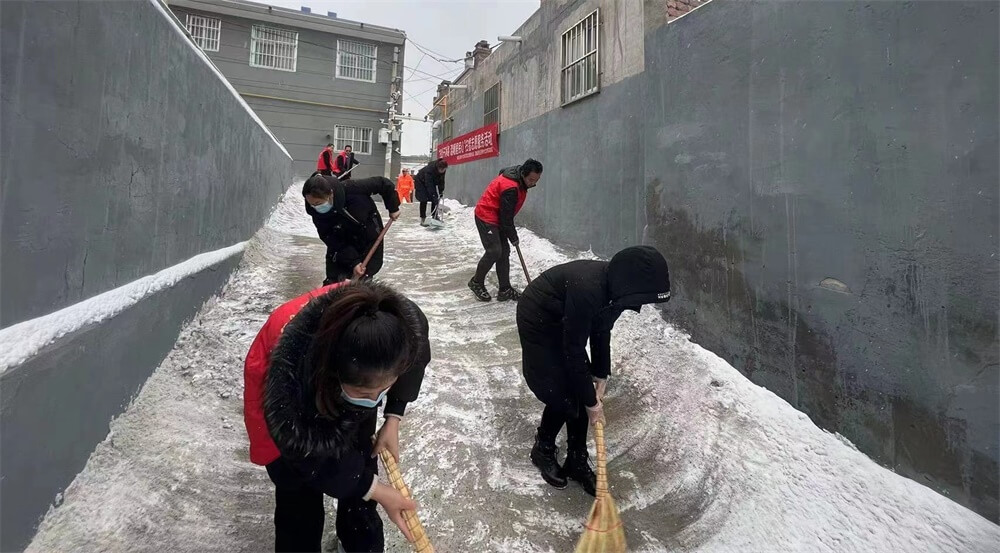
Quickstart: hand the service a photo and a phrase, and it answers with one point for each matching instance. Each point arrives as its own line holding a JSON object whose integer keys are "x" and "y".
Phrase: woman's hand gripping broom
{"x": 603, "y": 531}
{"x": 421, "y": 544}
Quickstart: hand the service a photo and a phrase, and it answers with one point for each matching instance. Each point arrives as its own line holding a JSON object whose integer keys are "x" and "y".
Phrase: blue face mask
{"x": 324, "y": 207}
{"x": 363, "y": 401}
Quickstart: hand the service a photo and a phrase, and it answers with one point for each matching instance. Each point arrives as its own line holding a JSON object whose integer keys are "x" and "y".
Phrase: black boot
{"x": 578, "y": 468}
{"x": 543, "y": 456}
{"x": 479, "y": 290}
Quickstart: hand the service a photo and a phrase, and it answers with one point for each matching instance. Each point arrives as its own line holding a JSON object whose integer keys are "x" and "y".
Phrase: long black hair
{"x": 366, "y": 336}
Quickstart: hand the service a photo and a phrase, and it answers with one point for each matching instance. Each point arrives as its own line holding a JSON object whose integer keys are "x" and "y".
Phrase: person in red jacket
{"x": 495, "y": 212}
{"x": 344, "y": 163}
{"x": 324, "y": 163}
{"x": 314, "y": 377}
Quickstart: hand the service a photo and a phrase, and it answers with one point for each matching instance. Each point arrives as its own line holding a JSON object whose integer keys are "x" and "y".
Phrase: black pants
{"x": 434, "y": 209}
{"x": 337, "y": 271}
{"x": 326, "y": 172}
{"x": 334, "y": 271}
{"x": 542, "y": 363}
{"x": 299, "y": 515}
{"x": 497, "y": 253}
{"x": 553, "y": 419}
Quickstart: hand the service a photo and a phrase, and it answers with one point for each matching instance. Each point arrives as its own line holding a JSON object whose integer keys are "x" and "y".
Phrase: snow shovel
{"x": 421, "y": 543}
{"x": 435, "y": 223}
{"x": 603, "y": 531}
{"x": 374, "y": 247}
{"x": 347, "y": 172}
{"x": 523, "y": 266}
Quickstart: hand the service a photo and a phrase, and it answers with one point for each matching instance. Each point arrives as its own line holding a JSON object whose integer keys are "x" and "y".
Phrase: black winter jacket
{"x": 578, "y": 301}
{"x": 317, "y": 447}
{"x": 345, "y": 163}
{"x": 429, "y": 183}
{"x": 350, "y": 232}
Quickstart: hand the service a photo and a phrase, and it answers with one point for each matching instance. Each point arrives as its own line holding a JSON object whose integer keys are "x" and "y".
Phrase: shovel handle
{"x": 375, "y": 246}
{"x": 523, "y": 266}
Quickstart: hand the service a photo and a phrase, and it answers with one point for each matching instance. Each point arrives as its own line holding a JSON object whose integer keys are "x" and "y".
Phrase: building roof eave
{"x": 292, "y": 18}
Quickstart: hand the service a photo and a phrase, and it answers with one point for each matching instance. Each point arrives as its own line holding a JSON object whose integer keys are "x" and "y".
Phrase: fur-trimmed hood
{"x": 293, "y": 419}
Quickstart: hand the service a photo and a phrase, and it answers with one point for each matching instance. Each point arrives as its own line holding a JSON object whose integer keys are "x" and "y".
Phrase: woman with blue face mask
{"x": 315, "y": 376}
{"x": 348, "y": 222}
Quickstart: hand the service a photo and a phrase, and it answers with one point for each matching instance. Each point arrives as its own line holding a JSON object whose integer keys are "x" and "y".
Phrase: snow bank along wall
{"x": 123, "y": 154}
{"x": 822, "y": 178}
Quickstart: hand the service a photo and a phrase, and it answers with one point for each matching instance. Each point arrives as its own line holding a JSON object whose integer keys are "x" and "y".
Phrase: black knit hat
{"x": 637, "y": 276}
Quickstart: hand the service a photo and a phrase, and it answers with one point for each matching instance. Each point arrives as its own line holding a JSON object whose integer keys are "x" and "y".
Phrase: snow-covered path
{"x": 700, "y": 458}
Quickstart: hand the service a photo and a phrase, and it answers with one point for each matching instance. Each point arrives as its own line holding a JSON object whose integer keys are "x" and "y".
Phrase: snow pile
{"x": 727, "y": 465}
{"x": 289, "y": 215}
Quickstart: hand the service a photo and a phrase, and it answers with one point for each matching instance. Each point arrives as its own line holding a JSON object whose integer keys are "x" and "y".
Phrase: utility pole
{"x": 390, "y": 121}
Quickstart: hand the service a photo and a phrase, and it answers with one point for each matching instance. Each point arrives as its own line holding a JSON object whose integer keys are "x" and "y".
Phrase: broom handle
{"x": 523, "y": 266}
{"x": 421, "y": 543}
{"x": 602, "y": 460}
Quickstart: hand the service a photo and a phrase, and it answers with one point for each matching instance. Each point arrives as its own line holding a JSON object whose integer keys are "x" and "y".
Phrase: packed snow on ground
{"x": 700, "y": 459}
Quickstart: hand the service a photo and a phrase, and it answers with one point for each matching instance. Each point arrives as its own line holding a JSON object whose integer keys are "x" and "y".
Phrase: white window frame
{"x": 359, "y": 145}
{"x": 206, "y": 31}
{"x": 349, "y": 63}
{"x": 580, "y": 51}
{"x": 274, "y": 43}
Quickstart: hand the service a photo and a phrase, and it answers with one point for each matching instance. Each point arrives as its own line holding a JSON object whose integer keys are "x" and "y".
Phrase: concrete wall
{"x": 303, "y": 127}
{"x": 822, "y": 178}
{"x": 123, "y": 153}
{"x": 590, "y": 193}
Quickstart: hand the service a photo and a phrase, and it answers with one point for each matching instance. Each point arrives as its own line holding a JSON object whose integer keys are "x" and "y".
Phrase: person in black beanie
{"x": 558, "y": 313}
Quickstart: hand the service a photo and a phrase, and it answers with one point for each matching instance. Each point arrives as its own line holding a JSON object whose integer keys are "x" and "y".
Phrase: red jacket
{"x": 501, "y": 201}
{"x": 325, "y": 160}
{"x": 262, "y": 448}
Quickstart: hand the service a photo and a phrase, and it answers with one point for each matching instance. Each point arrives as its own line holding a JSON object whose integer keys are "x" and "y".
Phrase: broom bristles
{"x": 603, "y": 531}
{"x": 421, "y": 543}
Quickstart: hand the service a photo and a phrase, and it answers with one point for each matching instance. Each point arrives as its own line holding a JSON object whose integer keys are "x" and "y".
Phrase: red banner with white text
{"x": 478, "y": 144}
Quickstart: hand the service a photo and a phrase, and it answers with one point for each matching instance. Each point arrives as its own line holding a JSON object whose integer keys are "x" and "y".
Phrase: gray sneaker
{"x": 480, "y": 291}
{"x": 508, "y": 294}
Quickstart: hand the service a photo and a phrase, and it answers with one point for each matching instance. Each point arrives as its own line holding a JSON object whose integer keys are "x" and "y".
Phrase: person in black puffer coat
{"x": 314, "y": 377}
{"x": 558, "y": 313}
{"x": 348, "y": 222}
{"x": 428, "y": 186}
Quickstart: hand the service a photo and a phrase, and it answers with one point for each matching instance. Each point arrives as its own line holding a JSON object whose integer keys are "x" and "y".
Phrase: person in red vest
{"x": 345, "y": 161}
{"x": 324, "y": 163}
{"x": 495, "y": 213}
{"x": 314, "y": 377}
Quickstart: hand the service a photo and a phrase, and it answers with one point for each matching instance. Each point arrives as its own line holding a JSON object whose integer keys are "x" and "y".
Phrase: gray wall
{"x": 590, "y": 193}
{"x": 851, "y": 141}
{"x": 822, "y": 178}
{"x": 303, "y": 128}
{"x": 122, "y": 154}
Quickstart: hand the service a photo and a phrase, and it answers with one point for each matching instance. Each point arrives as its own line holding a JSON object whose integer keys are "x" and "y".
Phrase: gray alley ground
{"x": 700, "y": 458}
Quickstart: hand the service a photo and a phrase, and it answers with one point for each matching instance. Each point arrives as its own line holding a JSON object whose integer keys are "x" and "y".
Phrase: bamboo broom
{"x": 603, "y": 531}
{"x": 421, "y": 543}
